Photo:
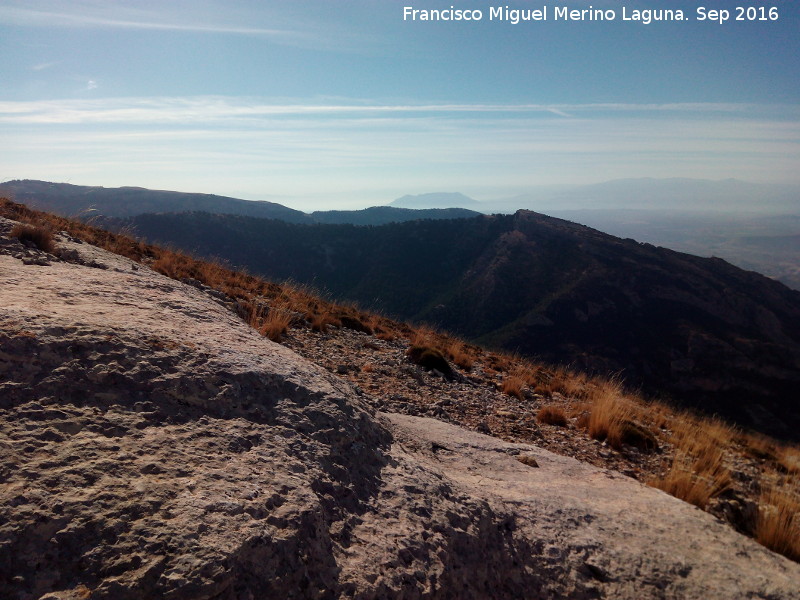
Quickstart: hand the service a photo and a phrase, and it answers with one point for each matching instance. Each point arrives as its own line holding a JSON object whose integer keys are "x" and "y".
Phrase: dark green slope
{"x": 86, "y": 201}
{"x": 381, "y": 215}
{"x": 89, "y": 202}
{"x": 708, "y": 333}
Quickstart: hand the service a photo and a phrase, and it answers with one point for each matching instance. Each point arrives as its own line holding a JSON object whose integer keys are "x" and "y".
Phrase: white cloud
{"x": 46, "y": 65}
{"x": 219, "y": 144}
{"x": 210, "y": 109}
{"x": 286, "y": 27}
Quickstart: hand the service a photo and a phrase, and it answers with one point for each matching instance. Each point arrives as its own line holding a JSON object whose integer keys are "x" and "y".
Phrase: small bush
{"x": 355, "y": 323}
{"x": 39, "y": 236}
{"x": 552, "y": 415}
{"x": 320, "y": 322}
{"x": 633, "y": 434}
{"x": 430, "y": 358}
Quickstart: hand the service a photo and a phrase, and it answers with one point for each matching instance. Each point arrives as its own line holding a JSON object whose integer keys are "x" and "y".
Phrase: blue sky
{"x": 342, "y": 103}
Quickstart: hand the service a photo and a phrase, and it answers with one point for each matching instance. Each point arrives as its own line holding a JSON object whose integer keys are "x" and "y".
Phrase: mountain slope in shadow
{"x": 711, "y": 335}
{"x": 91, "y": 202}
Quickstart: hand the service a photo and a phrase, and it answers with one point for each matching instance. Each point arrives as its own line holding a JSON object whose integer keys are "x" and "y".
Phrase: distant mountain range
{"x": 714, "y": 336}
{"x": 674, "y": 194}
{"x": 86, "y": 201}
{"x": 92, "y": 201}
{"x": 439, "y": 200}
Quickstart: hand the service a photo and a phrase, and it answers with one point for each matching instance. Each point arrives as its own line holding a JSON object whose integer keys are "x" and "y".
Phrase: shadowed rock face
{"x": 152, "y": 445}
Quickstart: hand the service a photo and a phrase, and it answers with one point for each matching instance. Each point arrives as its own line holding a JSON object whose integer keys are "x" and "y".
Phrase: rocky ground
{"x": 474, "y": 400}
{"x": 153, "y": 445}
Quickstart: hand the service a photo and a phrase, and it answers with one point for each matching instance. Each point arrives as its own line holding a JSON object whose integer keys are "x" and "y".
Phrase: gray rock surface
{"x": 154, "y": 446}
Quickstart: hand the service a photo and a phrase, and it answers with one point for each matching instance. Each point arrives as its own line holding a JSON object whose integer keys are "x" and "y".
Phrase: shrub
{"x": 430, "y": 358}
{"x": 632, "y": 434}
{"x": 354, "y": 323}
{"x": 321, "y": 321}
{"x": 552, "y": 415}
{"x": 38, "y": 235}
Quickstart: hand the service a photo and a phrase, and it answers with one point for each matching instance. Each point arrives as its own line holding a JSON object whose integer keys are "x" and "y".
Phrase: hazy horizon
{"x": 337, "y": 105}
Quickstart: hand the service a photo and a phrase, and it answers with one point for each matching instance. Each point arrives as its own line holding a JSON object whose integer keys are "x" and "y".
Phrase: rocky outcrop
{"x": 152, "y": 445}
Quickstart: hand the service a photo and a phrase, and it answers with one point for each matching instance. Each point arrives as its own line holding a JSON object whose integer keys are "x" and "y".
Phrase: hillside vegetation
{"x": 715, "y": 337}
{"x": 751, "y": 481}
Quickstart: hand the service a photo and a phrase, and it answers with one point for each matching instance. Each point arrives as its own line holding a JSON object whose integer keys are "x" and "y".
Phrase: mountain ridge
{"x": 699, "y": 328}
{"x": 89, "y": 202}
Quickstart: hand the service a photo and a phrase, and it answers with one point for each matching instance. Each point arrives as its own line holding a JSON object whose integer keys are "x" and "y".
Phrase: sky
{"x": 344, "y": 104}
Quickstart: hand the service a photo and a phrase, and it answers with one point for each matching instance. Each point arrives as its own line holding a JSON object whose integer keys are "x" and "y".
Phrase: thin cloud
{"x": 223, "y": 109}
{"x": 27, "y": 17}
{"x": 47, "y": 65}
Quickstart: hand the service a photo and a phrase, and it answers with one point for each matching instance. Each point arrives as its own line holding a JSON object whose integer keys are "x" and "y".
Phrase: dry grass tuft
{"x": 460, "y": 354}
{"x": 778, "y": 523}
{"x": 513, "y": 385}
{"x": 39, "y": 235}
{"x": 616, "y": 418}
{"x": 561, "y": 380}
{"x": 552, "y": 415}
{"x": 271, "y": 322}
{"x": 693, "y": 482}
{"x": 698, "y": 472}
{"x": 789, "y": 459}
{"x": 761, "y": 447}
{"x": 608, "y": 410}
{"x": 522, "y": 376}
{"x": 321, "y": 321}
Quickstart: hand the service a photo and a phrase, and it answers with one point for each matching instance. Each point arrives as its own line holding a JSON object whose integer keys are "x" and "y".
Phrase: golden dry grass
{"x": 521, "y": 376}
{"x": 271, "y": 322}
{"x": 40, "y": 236}
{"x": 513, "y": 385}
{"x": 789, "y": 459}
{"x": 778, "y": 522}
{"x": 608, "y": 410}
{"x": 694, "y": 480}
{"x": 551, "y": 414}
{"x": 458, "y": 352}
{"x": 698, "y": 471}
